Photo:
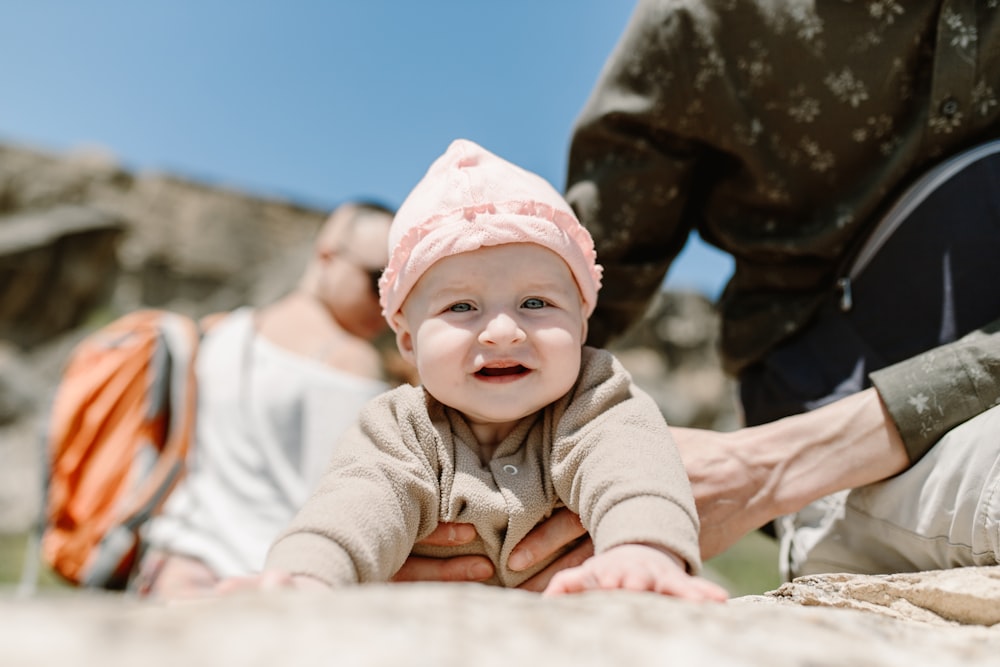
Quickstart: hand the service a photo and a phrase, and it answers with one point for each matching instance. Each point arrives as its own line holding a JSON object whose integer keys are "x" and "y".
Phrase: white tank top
{"x": 267, "y": 422}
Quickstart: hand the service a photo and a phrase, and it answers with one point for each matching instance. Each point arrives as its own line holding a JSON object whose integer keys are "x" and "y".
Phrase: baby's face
{"x": 495, "y": 333}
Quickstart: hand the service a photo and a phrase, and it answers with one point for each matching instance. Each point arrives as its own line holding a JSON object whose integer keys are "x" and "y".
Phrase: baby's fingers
{"x": 573, "y": 580}
{"x": 691, "y": 588}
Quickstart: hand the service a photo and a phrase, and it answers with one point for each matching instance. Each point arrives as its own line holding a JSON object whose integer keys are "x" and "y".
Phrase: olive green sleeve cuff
{"x": 931, "y": 393}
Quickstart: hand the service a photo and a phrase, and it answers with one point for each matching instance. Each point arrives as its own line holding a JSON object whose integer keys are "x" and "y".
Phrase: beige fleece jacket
{"x": 603, "y": 450}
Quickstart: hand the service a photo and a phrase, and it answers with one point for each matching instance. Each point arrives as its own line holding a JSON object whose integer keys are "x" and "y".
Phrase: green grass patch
{"x": 13, "y": 552}
{"x": 750, "y": 567}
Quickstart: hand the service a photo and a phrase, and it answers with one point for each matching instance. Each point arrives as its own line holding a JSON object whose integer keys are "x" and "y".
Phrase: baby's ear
{"x": 404, "y": 339}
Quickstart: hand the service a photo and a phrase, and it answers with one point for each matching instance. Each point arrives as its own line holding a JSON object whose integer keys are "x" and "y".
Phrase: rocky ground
{"x": 941, "y": 618}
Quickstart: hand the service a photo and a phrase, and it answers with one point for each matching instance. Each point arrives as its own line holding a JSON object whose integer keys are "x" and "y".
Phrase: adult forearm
{"x": 745, "y": 478}
{"x": 847, "y": 444}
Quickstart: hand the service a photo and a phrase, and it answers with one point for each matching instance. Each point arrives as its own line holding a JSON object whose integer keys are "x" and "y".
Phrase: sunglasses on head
{"x": 373, "y": 277}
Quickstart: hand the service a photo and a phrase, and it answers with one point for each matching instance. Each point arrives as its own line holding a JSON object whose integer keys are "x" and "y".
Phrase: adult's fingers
{"x": 545, "y": 539}
{"x": 572, "y": 558}
{"x": 459, "y": 568}
{"x": 450, "y": 534}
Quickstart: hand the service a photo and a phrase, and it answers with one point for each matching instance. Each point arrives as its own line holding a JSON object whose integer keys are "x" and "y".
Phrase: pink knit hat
{"x": 469, "y": 199}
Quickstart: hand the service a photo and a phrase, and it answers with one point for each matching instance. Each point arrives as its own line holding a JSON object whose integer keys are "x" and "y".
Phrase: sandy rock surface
{"x": 451, "y": 624}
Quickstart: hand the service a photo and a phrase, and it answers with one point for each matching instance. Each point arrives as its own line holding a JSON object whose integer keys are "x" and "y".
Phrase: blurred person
{"x": 276, "y": 387}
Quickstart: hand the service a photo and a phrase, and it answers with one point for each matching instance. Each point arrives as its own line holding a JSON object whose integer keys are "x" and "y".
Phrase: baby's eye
{"x": 460, "y": 307}
{"x": 533, "y": 303}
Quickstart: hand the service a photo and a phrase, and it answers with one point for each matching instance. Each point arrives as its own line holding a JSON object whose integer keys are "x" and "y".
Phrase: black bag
{"x": 927, "y": 275}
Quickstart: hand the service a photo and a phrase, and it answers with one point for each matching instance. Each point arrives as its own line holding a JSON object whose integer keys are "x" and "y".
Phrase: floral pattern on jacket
{"x": 780, "y": 131}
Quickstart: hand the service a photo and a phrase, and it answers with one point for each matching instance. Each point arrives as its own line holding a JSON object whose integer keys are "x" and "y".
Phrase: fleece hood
{"x": 469, "y": 199}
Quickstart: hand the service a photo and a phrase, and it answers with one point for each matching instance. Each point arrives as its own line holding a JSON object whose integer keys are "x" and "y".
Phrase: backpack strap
{"x": 180, "y": 336}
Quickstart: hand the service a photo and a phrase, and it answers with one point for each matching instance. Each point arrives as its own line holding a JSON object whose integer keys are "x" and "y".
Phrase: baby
{"x": 488, "y": 288}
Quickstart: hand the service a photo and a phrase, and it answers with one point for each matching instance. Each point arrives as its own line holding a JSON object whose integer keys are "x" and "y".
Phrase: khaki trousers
{"x": 944, "y": 512}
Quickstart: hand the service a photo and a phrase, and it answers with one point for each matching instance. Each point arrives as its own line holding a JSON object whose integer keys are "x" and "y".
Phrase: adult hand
{"x": 550, "y": 536}
{"x": 459, "y": 568}
{"x": 728, "y": 486}
{"x": 547, "y": 538}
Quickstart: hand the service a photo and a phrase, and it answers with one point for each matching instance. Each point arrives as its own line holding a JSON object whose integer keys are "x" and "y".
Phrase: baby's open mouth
{"x": 498, "y": 372}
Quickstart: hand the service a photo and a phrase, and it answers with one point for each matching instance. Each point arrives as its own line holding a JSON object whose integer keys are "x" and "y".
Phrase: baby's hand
{"x": 636, "y": 567}
{"x": 269, "y": 580}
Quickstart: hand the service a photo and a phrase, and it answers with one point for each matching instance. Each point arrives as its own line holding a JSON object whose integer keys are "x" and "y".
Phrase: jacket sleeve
{"x": 615, "y": 464}
{"x": 935, "y": 391}
{"x": 377, "y": 496}
{"x": 631, "y": 173}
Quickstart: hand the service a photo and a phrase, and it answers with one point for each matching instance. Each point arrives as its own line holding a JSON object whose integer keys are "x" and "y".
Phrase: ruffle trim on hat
{"x": 435, "y": 238}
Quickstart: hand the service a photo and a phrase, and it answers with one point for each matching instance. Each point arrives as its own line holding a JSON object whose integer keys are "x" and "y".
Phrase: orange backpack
{"x": 119, "y": 431}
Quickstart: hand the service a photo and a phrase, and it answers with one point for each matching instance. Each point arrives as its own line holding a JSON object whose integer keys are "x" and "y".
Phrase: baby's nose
{"x": 501, "y": 329}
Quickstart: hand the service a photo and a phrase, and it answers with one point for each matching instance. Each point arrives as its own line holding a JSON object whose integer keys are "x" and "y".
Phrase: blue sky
{"x": 315, "y": 101}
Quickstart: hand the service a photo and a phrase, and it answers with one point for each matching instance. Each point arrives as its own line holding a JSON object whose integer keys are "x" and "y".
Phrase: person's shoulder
{"x": 224, "y": 320}
{"x": 224, "y": 333}
{"x": 212, "y": 321}
{"x": 356, "y": 355}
